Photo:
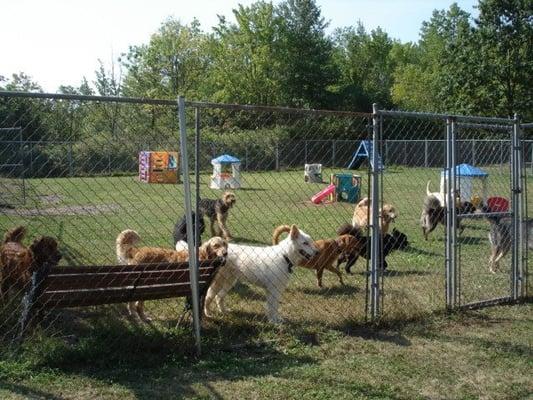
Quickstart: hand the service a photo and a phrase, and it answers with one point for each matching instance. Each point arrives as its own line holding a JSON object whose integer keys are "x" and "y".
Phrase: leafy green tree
{"x": 246, "y": 65}
{"x": 173, "y": 63}
{"x": 366, "y": 63}
{"x": 306, "y": 56}
{"x": 440, "y": 78}
{"x": 505, "y": 32}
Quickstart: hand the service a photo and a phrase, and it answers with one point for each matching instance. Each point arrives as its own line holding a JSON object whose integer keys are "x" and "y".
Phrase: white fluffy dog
{"x": 269, "y": 267}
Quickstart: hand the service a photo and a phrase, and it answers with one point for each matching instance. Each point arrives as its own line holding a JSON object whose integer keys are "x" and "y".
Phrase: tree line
{"x": 281, "y": 55}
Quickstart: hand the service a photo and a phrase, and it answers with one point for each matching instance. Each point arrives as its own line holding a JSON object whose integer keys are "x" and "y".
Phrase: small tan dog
{"x": 362, "y": 212}
{"x": 329, "y": 251}
{"x": 129, "y": 254}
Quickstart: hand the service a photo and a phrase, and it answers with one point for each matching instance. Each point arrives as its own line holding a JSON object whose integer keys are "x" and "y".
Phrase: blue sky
{"x": 59, "y": 41}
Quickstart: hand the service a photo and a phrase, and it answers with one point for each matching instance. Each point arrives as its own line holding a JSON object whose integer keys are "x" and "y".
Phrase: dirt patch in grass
{"x": 90, "y": 209}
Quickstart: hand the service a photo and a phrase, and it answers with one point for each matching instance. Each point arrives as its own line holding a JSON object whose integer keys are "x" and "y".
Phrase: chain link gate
{"x": 480, "y": 180}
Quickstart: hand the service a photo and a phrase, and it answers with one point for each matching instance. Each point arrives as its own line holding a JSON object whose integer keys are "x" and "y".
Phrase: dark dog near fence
{"x": 500, "y": 236}
{"x": 395, "y": 240}
{"x": 217, "y": 211}
{"x": 180, "y": 228}
{"x": 433, "y": 214}
{"x": 18, "y": 262}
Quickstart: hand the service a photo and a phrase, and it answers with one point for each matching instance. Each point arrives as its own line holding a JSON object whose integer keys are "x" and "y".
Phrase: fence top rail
{"x": 165, "y": 102}
{"x": 116, "y": 99}
{"x": 397, "y": 113}
{"x": 479, "y": 125}
{"x": 529, "y": 125}
{"x": 287, "y": 110}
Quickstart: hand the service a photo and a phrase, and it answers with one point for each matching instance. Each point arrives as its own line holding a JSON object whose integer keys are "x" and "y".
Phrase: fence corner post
{"x": 517, "y": 192}
{"x": 375, "y": 243}
{"x": 193, "y": 267}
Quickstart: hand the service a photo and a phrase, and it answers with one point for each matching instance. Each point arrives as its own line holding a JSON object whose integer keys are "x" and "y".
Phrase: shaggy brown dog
{"x": 17, "y": 262}
{"x": 328, "y": 252}
{"x": 217, "y": 211}
{"x": 387, "y": 214}
{"x": 128, "y": 253}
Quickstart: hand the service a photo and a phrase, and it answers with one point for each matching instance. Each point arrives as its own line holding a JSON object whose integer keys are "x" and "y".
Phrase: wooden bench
{"x": 56, "y": 287}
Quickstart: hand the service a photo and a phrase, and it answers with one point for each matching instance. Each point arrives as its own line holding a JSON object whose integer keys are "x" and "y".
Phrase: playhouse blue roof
{"x": 225, "y": 158}
{"x": 468, "y": 170}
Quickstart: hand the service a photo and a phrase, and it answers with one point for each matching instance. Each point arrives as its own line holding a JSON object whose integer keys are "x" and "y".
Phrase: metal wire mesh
{"x": 80, "y": 167}
{"x": 413, "y": 282}
{"x": 75, "y": 169}
{"x": 492, "y": 181}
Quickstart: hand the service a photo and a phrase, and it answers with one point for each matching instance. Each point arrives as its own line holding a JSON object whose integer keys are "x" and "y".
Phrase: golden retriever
{"x": 387, "y": 214}
{"x": 128, "y": 253}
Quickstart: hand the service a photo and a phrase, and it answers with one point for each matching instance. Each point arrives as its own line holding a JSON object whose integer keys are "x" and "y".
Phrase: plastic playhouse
{"x": 313, "y": 173}
{"x": 472, "y": 182}
{"x": 347, "y": 187}
{"x": 226, "y": 172}
{"x": 344, "y": 187}
{"x": 158, "y": 166}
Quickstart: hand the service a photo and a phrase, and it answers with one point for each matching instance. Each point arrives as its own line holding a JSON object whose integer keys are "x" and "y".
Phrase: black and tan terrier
{"x": 217, "y": 211}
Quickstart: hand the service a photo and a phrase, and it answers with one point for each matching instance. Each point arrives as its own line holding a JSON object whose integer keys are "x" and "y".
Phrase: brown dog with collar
{"x": 329, "y": 251}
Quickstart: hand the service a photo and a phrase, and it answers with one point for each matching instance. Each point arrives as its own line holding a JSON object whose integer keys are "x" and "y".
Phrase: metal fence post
{"x": 531, "y": 157}
{"x": 516, "y": 269}
{"x": 456, "y": 268}
{"x": 375, "y": 243}
{"x": 277, "y": 156}
{"x": 70, "y": 169}
{"x": 501, "y": 154}
{"x": 425, "y": 153}
{"x": 193, "y": 267}
{"x": 473, "y": 152}
{"x": 451, "y": 270}
{"x": 305, "y": 151}
{"x": 333, "y": 151}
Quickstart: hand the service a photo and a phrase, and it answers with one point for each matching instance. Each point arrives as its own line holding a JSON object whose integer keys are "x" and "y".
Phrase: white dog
{"x": 269, "y": 267}
{"x": 441, "y": 196}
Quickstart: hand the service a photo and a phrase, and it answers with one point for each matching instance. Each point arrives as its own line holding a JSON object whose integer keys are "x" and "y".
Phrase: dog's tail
{"x": 15, "y": 234}
{"x": 126, "y": 245}
{"x": 278, "y": 231}
{"x": 428, "y": 192}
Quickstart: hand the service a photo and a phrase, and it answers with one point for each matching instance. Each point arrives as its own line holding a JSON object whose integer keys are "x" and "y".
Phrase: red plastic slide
{"x": 317, "y": 198}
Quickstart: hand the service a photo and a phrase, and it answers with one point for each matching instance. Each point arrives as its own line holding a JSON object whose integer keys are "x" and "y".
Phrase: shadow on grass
{"x": 392, "y": 273}
{"x": 471, "y": 240}
{"x": 344, "y": 290}
{"x": 140, "y": 358}
{"x": 422, "y": 252}
{"x": 28, "y": 393}
{"x": 250, "y": 189}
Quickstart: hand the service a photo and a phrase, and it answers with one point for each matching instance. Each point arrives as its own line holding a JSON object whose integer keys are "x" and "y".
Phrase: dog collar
{"x": 289, "y": 263}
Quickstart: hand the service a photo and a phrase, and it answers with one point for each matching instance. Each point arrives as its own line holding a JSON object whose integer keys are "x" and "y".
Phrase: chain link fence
{"x": 81, "y": 170}
{"x": 79, "y": 161}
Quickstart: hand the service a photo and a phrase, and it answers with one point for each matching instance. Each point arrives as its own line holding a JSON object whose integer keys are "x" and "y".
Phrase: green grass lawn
{"x": 322, "y": 349}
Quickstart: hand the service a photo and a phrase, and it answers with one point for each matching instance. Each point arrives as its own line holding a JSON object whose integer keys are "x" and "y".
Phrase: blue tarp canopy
{"x": 225, "y": 159}
{"x": 468, "y": 170}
